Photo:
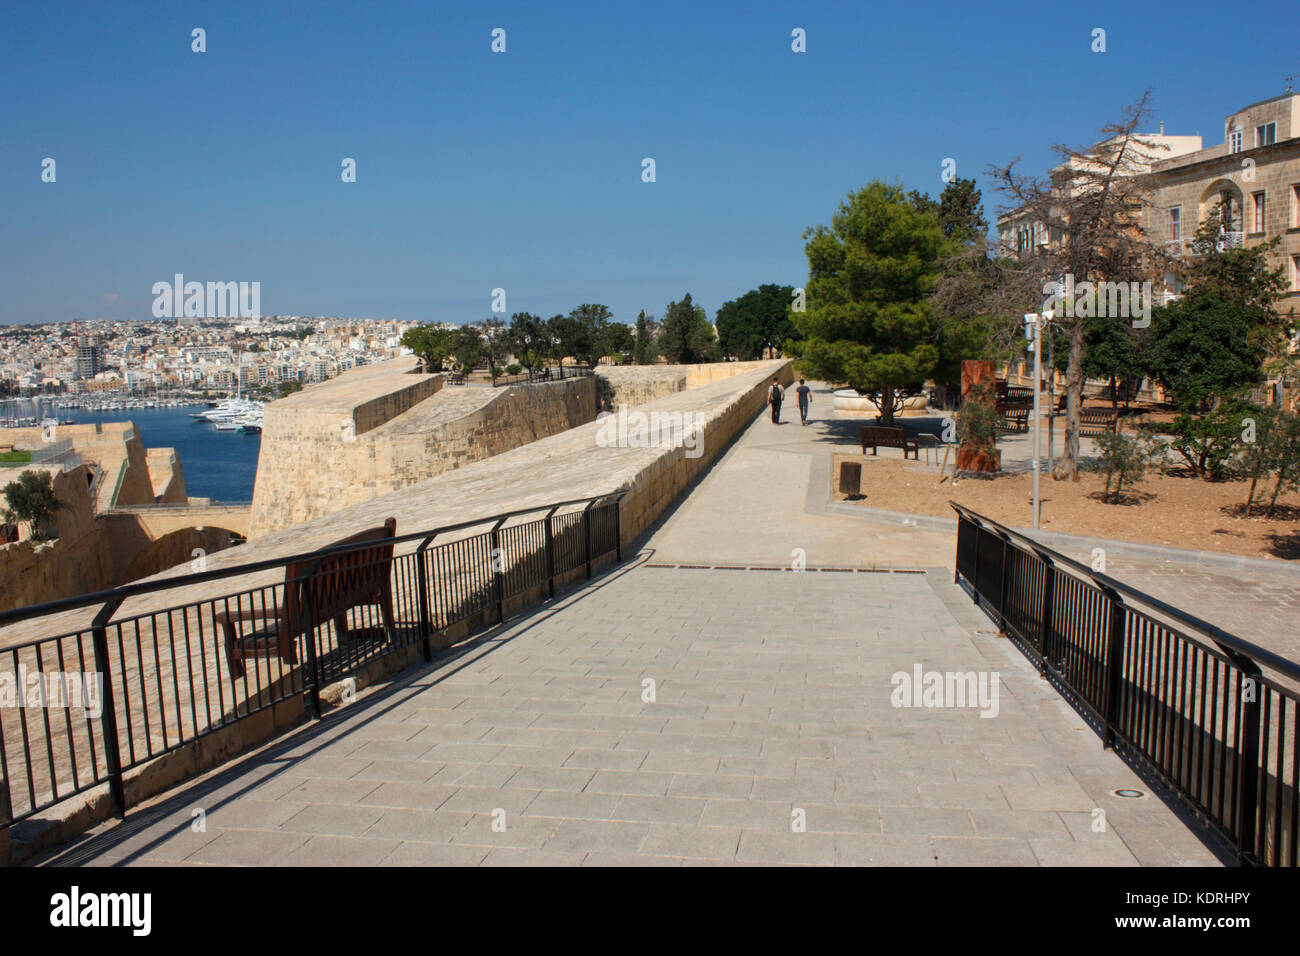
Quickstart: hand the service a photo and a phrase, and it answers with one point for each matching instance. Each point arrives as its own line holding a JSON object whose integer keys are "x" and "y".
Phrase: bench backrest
{"x": 341, "y": 581}
{"x": 882, "y": 433}
{"x": 894, "y": 436}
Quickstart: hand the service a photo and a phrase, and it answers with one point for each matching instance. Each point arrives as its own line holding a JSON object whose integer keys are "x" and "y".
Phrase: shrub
{"x": 1124, "y": 459}
{"x": 514, "y": 368}
{"x": 977, "y": 420}
{"x": 1208, "y": 443}
{"x": 31, "y": 499}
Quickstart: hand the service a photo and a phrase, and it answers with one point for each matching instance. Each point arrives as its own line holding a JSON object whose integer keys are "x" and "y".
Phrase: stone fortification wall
{"x": 637, "y": 384}
{"x": 77, "y": 561}
{"x": 166, "y": 476}
{"x": 116, "y": 449}
{"x": 311, "y": 465}
{"x": 573, "y": 464}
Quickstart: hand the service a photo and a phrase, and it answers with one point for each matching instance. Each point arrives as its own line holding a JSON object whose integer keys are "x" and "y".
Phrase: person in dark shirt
{"x": 774, "y": 396}
{"x": 804, "y": 394}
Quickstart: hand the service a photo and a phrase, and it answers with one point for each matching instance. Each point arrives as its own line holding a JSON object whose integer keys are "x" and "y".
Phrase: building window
{"x": 1234, "y": 141}
{"x": 1295, "y": 205}
{"x": 1266, "y": 135}
{"x": 1259, "y": 211}
{"x": 1176, "y": 223}
{"x": 1295, "y": 273}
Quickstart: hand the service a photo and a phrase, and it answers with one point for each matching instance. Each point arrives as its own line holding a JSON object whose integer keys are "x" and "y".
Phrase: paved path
{"x": 772, "y": 736}
{"x": 766, "y": 498}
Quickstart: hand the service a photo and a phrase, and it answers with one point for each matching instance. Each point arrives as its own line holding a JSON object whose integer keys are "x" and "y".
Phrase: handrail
{"x": 166, "y": 680}
{"x": 1217, "y": 634}
{"x": 136, "y": 589}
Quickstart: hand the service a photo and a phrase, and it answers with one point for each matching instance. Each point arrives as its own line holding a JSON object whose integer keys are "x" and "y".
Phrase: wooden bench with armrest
{"x": 343, "y": 581}
{"x": 1095, "y": 421}
{"x": 889, "y": 436}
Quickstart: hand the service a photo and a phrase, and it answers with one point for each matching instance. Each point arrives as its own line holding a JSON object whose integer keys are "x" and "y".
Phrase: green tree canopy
{"x": 31, "y": 499}
{"x": 616, "y": 338}
{"x": 643, "y": 348}
{"x": 1204, "y": 348}
{"x": 758, "y": 320}
{"x": 432, "y": 344}
{"x": 960, "y": 213}
{"x": 531, "y": 339}
{"x": 868, "y": 323}
{"x": 1212, "y": 343}
{"x": 687, "y": 337}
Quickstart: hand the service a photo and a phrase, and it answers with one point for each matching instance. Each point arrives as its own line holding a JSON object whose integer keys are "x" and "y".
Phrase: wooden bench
{"x": 890, "y": 436}
{"x": 1096, "y": 421}
{"x": 1016, "y": 417}
{"x": 344, "y": 581}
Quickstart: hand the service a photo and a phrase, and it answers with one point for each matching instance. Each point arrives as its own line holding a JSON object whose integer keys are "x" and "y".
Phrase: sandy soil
{"x": 1166, "y": 510}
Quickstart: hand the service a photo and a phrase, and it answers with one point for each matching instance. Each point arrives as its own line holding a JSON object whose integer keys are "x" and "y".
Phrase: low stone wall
{"x": 697, "y": 375}
{"x": 307, "y": 469}
{"x": 637, "y": 384}
{"x": 78, "y": 560}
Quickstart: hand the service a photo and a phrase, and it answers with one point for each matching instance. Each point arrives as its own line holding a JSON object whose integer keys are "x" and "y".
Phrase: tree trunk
{"x": 1251, "y": 496}
{"x": 1068, "y": 466}
{"x": 887, "y": 405}
{"x": 1272, "y": 502}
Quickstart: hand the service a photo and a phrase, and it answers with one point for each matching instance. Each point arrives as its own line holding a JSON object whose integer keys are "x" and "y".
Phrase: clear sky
{"x": 522, "y": 170}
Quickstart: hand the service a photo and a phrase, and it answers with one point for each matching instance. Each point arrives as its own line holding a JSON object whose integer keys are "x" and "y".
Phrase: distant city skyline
{"x": 522, "y": 170}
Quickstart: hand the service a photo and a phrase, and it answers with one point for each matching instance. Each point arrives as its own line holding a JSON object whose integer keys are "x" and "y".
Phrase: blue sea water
{"x": 217, "y": 465}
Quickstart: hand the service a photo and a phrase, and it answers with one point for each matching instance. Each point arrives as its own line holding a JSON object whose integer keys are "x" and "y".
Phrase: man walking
{"x": 804, "y": 394}
{"x": 774, "y": 396}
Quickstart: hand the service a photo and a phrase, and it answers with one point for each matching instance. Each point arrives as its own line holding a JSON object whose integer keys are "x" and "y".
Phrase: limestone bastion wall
{"x": 315, "y": 461}
{"x": 570, "y": 465}
{"x": 77, "y": 559}
{"x": 574, "y": 464}
{"x": 378, "y": 429}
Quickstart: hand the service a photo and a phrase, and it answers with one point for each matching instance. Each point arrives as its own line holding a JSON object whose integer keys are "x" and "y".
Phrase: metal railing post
{"x": 1049, "y": 609}
{"x": 1002, "y": 590}
{"x": 312, "y": 662}
{"x": 6, "y": 813}
{"x": 498, "y": 571}
{"x": 586, "y": 536}
{"x": 1114, "y": 661}
{"x": 422, "y": 595}
{"x": 108, "y": 718}
{"x": 1249, "y": 691}
{"x": 956, "y": 562}
{"x": 550, "y": 554}
{"x": 618, "y": 530}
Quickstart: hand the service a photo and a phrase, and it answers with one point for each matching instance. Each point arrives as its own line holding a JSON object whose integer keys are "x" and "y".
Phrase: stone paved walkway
{"x": 538, "y": 742}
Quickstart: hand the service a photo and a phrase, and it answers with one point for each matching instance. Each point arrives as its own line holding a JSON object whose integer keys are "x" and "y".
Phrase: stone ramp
{"x": 772, "y": 695}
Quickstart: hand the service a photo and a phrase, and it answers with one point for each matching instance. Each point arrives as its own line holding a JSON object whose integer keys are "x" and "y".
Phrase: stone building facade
{"x": 1254, "y": 173}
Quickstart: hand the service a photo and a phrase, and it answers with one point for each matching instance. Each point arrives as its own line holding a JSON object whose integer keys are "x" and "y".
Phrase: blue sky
{"x": 522, "y": 170}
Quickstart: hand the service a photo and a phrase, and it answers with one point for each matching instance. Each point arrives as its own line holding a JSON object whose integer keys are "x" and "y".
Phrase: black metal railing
{"x": 1191, "y": 702}
{"x": 553, "y": 373}
{"x": 112, "y": 680}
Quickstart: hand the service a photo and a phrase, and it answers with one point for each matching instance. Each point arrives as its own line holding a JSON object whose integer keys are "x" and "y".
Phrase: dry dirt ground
{"x": 1166, "y": 510}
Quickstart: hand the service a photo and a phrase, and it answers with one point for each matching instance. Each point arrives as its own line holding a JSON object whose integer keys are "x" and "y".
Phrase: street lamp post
{"x": 1034, "y": 323}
